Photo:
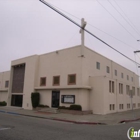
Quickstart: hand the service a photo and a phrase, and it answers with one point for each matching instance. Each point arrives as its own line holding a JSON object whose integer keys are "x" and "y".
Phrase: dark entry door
{"x": 17, "y": 100}
{"x": 55, "y": 98}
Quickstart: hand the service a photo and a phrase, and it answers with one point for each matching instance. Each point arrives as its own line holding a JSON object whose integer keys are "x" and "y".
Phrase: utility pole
{"x": 83, "y": 24}
{"x": 137, "y": 50}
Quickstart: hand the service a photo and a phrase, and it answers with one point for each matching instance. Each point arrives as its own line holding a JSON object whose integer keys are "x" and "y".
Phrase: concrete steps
{"x": 12, "y": 108}
{"x": 50, "y": 110}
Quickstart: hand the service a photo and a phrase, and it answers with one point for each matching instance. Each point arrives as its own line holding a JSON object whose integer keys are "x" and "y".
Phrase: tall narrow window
{"x": 56, "y": 80}
{"x": 98, "y": 65}
{"x": 43, "y": 81}
{"x": 122, "y": 106}
{"x": 132, "y": 79}
{"x": 120, "y": 88}
{"x": 116, "y": 72}
{"x": 71, "y": 79}
{"x": 138, "y": 92}
{"x": 107, "y": 69}
{"x": 6, "y": 84}
{"x": 122, "y": 75}
{"x": 127, "y": 89}
{"x": 109, "y": 86}
{"x": 127, "y": 77}
{"x": 133, "y": 90}
{"x": 112, "y": 86}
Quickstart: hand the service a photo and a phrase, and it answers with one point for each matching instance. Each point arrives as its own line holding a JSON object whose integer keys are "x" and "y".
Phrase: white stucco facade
{"x": 4, "y": 77}
{"x": 101, "y": 88}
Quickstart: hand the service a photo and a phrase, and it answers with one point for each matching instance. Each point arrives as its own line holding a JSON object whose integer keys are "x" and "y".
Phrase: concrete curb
{"x": 78, "y": 122}
{"x": 65, "y": 120}
{"x": 55, "y": 119}
{"x": 132, "y": 120}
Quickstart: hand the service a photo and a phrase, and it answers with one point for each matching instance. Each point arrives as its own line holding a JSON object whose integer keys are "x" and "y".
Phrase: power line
{"x": 47, "y": 4}
{"x": 96, "y": 28}
{"x": 138, "y": 56}
{"x": 116, "y": 20}
{"x": 127, "y": 18}
{"x": 123, "y": 17}
{"x": 136, "y": 63}
{"x": 65, "y": 11}
{"x": 113, "y": 37}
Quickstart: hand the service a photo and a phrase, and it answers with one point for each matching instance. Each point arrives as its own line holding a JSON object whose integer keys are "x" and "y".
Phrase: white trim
{"x": 66, "y": 87}
{"x": 3, "y": 90}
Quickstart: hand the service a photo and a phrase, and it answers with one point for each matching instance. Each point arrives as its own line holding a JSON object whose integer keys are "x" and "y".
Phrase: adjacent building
{"x": 66, "y": 77}
{"x": 4, "y": 85}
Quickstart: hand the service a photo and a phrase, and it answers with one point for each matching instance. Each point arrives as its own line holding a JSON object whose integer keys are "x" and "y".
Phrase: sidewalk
{"x": 109, "y": 119}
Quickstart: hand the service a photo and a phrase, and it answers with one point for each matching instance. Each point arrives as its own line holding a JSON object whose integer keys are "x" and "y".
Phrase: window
{"x": 111, "y": 87}
{"x": 120, "y": 88}
{"x": 127, "y": 89}
{"x": 138, "y": 92}
{"x": 6, "y": 84}
{"x": 98, "y": 65}
{"x": 128, "y": 106}
{"x": 56, "y": 80}
{"x": 112, "y": 106}
{"x": 127, "y": 77}
{"x": 43, "y": 81}
{"x": 116, "y": 72}
{"x": 120, "y": 106}
{"x": 134, "y": 105}
{"x": 132, "y": 79}
{"x": 71, "y": 79}
{"x": 133, "y": 91}
{"x": 107, "y": 69}
{"x": 122, "y": 75}
{"x": 138, "y": 104}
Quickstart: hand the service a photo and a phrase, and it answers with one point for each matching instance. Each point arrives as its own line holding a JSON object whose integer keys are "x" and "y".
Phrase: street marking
{"x": 4, "y": 129}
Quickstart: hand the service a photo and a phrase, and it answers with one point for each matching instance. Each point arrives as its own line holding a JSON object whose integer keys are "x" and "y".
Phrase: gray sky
{"x": 28, "y": 27}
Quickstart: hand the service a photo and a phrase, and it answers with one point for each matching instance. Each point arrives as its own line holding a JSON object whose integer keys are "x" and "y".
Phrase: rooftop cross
{"x": 83, "y": 24}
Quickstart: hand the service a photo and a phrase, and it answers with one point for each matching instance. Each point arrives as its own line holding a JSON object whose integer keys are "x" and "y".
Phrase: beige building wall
{"x": 81, "y": 97}
{"x": 96, "y": 98}
{"x": 4, "y": 76}
{"x": 100, "y": 89}
{"x": 62, "y": 63}
{"x": 92, "y": 85}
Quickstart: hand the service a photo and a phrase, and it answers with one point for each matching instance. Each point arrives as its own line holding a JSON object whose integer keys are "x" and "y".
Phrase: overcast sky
{"x": 28, "y": 27}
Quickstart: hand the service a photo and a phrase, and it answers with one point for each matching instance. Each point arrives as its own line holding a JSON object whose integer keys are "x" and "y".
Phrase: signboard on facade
{"x": 68, "y": 99}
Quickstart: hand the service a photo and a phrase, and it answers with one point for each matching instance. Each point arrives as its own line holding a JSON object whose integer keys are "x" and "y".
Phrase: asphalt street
{"x": 15, "y": 127}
